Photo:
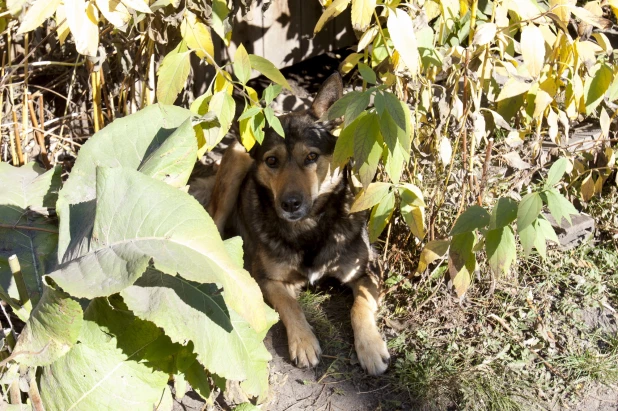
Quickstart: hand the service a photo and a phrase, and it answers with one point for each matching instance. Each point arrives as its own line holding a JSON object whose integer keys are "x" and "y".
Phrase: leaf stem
{"x": 25, "y": 227}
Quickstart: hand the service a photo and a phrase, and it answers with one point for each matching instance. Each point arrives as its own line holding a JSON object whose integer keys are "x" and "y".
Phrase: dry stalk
{"x": 18, "y": 149}
{"x": 40, "y": 137}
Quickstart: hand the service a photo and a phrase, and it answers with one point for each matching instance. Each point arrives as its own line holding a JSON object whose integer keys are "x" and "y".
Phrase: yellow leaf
{"x": 587, "y": 188}
{"x": 246, "y": 134}
{"x": 114, "y": 11}
{"x": 415, "y": 217}
{"x": 591, "y": 17}
{"x": 445, "y": 150}
{"x": 484, "y": 34}
{"x": 362, "y": 11}
{"x": 598, "y": 185}
{"x": 431, "y": 252}
{"x": 432, "y": 9}
{"x": 605, "y": 122}
{"x": 541, "y": 102}
{"x": 367, "y": 38}
{"x": 138, "y": 5}
{"x": 82, "y": 19}
{"x": 513, "y": 88}
{"x": 533, "y": 50}
{"x": 526, "y": 9}
{"x": 349, "y": 63}
{"x": 336, "y": 8}
{"x": 40, "y": 11}
{"x": 562, "y": 9}
{"x": 63, "y": 29}
{"x": 402, "y": 34}
{"x": 197, "y": 36}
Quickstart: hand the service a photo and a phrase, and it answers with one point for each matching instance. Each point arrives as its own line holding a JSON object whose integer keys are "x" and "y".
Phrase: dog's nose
{"x": 291, "y": 202}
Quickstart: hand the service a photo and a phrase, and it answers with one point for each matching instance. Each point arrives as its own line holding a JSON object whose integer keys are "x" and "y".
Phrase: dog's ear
{"x": 331, "y": 91}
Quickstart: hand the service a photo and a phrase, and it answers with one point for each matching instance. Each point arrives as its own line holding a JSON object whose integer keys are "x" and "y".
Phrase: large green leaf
{"x": 224, "y": 343}
{"x": 107, "y": 369}
{"x": 367, "y": 147}
{"x": 268, "y": 69}
{"x": 139, "y": 218}
{"x": 501, "y": 251}
{"x": 473, "y": 218}
{"x": 503, "y": 213}
{"x": 24, "y": 194}
{"x": 51, "y": 330}
{"x": 381, "y": 215}
{"x": 559, "y": 206}
{"x": 173, "y": 74}
{"x": 528, "y": 210}
{"x": 139, "y": 141}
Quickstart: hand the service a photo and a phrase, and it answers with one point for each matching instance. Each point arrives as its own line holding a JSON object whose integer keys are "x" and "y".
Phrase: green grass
{"x": 540, "y": 340}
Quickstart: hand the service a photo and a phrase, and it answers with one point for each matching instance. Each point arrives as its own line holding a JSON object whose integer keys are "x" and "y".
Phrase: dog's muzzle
{"x": 293, "y": 207}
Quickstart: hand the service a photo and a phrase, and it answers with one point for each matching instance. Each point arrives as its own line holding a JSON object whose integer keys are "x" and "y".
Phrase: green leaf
{"x": 462, "y": 261}
{"x": 501, "y": 250}
{"x": 220, "y": 20}
{"x": 367, "y": 73}
{"x": 431, "y": 252}
{"x": 411, "y": 194}
{"x": 357, "y": 106}
{"x": 344, "y": 148}
{"x": 371, "y": 196}
{"x": 379, "y": 102}
{"x": 559, "y": 206}
{"x": 258, "y": 122}
{"x": 596, "y": 86}
{"x": 367, "y": 147}
{"x": 472, "y": 219}
{"x": 340, "y": 106}
{"x": 394, "y": 108}
{"x": 224, "y": 107}
{"x": 394, "y": 163}
{"x": 51, "y": 330}
{"x": 527, "y": 236}
{"x": 138, "y": 219}
{"x": 540, "y": 240}
{"x": 250, "y": 112}
{"x": 503, "y": 213}
{"x": 110, "y": 358}
{"x": 224, "y": 343}
{"x": 556, "y": 172}
{"x": 247, "y": 406}
{"x": 242, "y": 65}
{"x": 173, "y": 74}
{"x": 269, "y": 70}
{"x": 380, "y": 216}
{"x": 271, "y": 92}
{"x": 545, "y": 228}
{"x": 25, "y": 194}
{"x": 149, "y": 129}
{"x": 528, "y": 210}
{"x": 273, "y": 121}
{"x": 390, "y": 131}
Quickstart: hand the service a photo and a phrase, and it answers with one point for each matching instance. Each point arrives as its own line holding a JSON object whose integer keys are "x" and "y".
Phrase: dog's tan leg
{"x": 235, "y": 164}
{"x": 303, "y": 345}
{"x": 370, "y": 347}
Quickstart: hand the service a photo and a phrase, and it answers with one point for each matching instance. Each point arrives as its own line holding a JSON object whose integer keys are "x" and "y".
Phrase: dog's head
{"x": 297, "y": 169}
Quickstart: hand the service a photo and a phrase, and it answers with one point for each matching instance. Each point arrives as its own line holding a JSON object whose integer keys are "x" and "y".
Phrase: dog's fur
{"x": 295, "y": 221}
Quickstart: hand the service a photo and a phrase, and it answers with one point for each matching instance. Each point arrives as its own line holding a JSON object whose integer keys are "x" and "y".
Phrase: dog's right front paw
{"x": 304, "y": 347}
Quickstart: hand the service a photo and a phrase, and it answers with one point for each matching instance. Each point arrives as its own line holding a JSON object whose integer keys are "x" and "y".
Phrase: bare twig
{"x": 39, "y": 135}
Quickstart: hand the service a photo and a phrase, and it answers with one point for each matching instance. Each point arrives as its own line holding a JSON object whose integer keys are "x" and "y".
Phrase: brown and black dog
{"x": 292, "y": 211}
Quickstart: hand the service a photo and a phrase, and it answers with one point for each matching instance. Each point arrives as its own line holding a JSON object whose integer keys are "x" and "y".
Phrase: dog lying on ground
{"x": 293, "y": 214}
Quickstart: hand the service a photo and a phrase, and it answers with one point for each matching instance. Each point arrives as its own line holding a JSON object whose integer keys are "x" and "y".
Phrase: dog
{"x": 292, "y": 211}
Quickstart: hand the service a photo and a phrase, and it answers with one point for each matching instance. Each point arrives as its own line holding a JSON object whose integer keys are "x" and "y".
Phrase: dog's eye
{"x": 271, "y": 161}
{"x": 311, "y": 158}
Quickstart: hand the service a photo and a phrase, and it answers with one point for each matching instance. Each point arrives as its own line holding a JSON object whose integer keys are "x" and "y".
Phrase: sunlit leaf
{"x": 473, "y": 218}
{"x": 242, "y": 65}
{"x": 532, "y": 49}
{"x": 336, "y": 8}
{"x": 501, "y": 251}
{"x": 400, "y": 27}
{"x": 370, "y": 196}
{"x": 381, "y": 215}
{"x": 40, "y": 11}
{"x": 362, "y": 11}
{"x": 269, "y": 70}
{"x": 432, "y": 251}
{"x": 173, "y": 74}
{"x": 528, "y": 210}
{"x": 197, "y": 36}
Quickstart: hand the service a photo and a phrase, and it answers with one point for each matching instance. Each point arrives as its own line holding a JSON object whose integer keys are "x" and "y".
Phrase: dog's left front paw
{"x": 372, "y": 352}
